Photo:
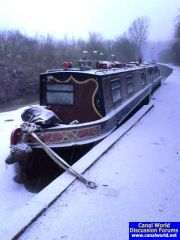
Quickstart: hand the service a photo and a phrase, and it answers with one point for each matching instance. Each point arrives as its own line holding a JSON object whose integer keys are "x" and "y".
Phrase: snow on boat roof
{"x": 99, "y": 72}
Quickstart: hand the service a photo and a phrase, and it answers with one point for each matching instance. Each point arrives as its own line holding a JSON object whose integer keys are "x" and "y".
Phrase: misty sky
{"x": 76, "y": 18}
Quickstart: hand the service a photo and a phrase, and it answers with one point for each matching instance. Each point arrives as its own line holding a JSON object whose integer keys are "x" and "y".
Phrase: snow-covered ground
{"x": 13, "y": 195}
{"x": 138, "y": 180}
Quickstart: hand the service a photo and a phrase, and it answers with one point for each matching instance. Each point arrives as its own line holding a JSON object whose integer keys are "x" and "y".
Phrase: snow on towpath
{"x": 138, "y": 178}
{"x": 13, "y": 195}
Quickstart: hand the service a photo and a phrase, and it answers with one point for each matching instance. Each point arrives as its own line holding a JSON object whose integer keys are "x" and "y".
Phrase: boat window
{"x": 116, "y": 90}
{"x": 60, "y": 94}
{"x": 156, "y": 69}
{"x": 150, "y": 73}
{"x": 143, "y": 78}
{"x": 129, "y": 82}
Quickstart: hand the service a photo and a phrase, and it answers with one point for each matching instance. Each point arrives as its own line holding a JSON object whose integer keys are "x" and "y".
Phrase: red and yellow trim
{"x": 64, "y": 136}
{"x": 71, "y": 78}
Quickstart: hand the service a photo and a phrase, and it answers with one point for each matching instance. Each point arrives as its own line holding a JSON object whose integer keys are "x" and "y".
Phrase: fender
{"x": 15, "y": 134}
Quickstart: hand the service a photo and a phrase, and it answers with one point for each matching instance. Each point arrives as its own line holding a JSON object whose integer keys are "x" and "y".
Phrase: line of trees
{"x": 23, "y": 58}
{"x": 176, "y": 45}
{"x": 172, "y": 53}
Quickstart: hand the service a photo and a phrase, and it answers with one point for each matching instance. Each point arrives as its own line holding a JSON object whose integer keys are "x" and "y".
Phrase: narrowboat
{"x": 89, "y": 101}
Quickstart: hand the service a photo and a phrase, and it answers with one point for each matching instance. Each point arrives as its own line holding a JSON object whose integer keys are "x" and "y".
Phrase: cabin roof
{"x": 99, "y": 72}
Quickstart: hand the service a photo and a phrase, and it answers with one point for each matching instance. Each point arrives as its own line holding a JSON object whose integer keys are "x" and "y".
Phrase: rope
{"x": 30, "y": 128}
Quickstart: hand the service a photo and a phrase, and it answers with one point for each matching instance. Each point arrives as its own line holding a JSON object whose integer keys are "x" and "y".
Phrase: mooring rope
{"x": 30, "y": 128}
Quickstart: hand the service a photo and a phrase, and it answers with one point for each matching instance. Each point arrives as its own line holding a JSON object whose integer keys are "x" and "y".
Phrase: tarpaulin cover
{"x": 40, "y": 116}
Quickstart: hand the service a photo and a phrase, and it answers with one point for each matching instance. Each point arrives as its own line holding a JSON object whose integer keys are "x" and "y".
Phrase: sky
{"x": 76, "y": 18}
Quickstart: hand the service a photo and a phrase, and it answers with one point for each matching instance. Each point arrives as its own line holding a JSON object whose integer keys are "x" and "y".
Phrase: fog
{"x": 70, "y": 18}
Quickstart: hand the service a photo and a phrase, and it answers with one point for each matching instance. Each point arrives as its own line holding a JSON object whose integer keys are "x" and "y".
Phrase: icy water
{"x": 18, "y": 103}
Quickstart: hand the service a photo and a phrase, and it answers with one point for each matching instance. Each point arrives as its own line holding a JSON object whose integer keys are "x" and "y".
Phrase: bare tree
{"x": 175, "y": 50}
{"x": 22, "y": 58}
{"x": 177, "y": 26}
{"x": 125, "y": 50}
{"x": 138, "y": 31}
{"x": 95, "y": 43}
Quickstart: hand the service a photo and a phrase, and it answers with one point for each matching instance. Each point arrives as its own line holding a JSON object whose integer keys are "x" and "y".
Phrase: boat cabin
{"x": 88, "y": 95}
